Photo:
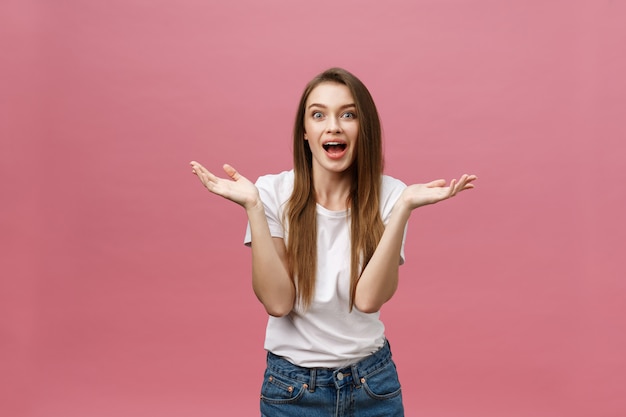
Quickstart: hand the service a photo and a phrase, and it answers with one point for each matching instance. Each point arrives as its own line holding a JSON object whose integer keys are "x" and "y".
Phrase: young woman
{"x": 327, "y": 239}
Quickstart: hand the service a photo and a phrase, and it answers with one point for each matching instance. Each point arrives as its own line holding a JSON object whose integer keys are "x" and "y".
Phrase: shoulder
{"x": 282, "y": 179}
{"x": 391, "y": 185}
{"x": 278, "y": 186}
{"x": 390, "y": 192}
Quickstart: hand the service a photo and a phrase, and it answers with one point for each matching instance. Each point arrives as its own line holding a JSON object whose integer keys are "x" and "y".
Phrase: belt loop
{"x": 356, "y": 379}
{"x": 312, "y": 380}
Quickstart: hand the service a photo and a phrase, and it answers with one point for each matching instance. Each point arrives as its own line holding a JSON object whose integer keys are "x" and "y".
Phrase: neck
{"x": 332, "y": 190}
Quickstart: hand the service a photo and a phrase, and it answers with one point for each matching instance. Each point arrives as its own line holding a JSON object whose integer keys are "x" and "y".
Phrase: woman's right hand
{"x": 237, "y": 188}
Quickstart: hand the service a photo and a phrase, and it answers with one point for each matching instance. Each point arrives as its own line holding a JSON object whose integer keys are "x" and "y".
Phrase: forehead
{"x": 330, "y": 94}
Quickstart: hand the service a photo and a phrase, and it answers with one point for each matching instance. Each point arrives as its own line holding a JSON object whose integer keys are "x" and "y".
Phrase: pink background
{"x": 125, "y": 286}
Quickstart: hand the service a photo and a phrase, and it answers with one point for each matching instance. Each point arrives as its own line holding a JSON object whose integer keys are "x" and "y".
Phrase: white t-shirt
{"x": 327, "y": 334}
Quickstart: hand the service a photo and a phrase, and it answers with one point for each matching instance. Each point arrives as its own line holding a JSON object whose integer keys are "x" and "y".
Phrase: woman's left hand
{"x": 418, "y": 195}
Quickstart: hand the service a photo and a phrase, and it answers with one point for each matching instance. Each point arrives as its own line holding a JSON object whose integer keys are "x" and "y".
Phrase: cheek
{"x": 307, "y": 128}
{"x": 354, "y": 132}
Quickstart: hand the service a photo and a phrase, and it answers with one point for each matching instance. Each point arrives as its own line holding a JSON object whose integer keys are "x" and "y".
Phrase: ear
{"x": 305, "y": 137}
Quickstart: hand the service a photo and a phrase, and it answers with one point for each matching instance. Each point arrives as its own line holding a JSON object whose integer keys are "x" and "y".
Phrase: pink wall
{"x": 125, "y": 287}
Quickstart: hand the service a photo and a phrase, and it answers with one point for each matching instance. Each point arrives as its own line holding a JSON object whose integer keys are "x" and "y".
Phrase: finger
{"x": 467, "y": 183}
{"x": 461, "y": 183}
{"x": 195, "y": 164}
{"x": 197, "y": 168}
{"x": 452, "y": 190}
{"x": 205, "y": 176}
{"x": 231, "y": 172}
{"x": 436, "y": 183}
{"x": 470, "y": 178}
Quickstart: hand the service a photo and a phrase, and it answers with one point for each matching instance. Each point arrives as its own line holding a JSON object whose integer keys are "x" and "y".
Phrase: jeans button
{"x": 340, "y": 376}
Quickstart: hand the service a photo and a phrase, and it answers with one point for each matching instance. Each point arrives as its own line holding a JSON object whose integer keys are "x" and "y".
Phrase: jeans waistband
{"x": 318, "y": 377}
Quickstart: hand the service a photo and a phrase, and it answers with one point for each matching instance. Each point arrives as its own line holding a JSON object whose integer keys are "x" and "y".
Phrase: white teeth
{"x": 332, "y": 143}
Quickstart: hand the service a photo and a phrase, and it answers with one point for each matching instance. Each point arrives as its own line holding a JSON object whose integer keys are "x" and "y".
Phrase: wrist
{"x": 401, "y": 210}
{"x": 255, "y": 206}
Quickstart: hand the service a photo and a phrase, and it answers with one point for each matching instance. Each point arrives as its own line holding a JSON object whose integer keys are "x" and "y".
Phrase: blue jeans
{"x": 369, "y": 388}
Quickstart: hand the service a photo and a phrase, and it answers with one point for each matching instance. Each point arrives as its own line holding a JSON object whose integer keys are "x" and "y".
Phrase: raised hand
{"x": 236, "y": 188}
{"x": 417, "y": 195}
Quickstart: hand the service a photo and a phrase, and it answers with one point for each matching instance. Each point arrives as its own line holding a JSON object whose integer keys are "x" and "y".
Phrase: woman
{"x": 327, "y": 240}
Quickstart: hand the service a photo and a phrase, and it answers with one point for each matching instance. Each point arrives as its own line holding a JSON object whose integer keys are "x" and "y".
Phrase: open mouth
{"x": 334, "y": 147}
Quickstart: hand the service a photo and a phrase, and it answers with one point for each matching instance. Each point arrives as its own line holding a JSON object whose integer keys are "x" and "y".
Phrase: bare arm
{"x": 379, "y": 279}
{"x": 270, "y": 279}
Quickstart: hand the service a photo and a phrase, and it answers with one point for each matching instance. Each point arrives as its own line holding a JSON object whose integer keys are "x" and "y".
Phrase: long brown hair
{"x": 364, "y": 200}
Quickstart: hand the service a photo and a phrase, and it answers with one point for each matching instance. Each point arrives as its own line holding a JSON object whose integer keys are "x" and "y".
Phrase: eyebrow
{"x": 345, "y": 106}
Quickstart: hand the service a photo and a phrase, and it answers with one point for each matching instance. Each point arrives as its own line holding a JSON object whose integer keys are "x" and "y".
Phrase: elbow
{"x": 277, "y": 303}
{"x": 371, "y": 303}
{"x": 278, "y": 307}
{"x": 278, "y": 310}
{"x": 367, "y": 306}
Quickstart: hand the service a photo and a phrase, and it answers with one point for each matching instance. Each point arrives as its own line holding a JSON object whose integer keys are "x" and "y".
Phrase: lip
{"x": 335, "y": 153}
{"x": 338, "y": 141}
{"x": 335, "y": 140}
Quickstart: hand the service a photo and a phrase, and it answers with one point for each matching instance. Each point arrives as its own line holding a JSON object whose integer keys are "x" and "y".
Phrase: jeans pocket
{"x": 383, "y": 383}
{"x": 277, "y": 389}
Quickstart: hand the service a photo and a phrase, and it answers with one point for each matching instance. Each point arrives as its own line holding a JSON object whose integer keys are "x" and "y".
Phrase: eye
{"x": 317, "y": 115}
{"x": 349, "y": 115}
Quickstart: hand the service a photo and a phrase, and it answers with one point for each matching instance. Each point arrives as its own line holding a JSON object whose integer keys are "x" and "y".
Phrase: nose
{"x": 333, "y": 125}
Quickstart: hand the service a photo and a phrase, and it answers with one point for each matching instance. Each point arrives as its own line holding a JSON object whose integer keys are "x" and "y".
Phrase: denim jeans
{"x": 369, "y": 388}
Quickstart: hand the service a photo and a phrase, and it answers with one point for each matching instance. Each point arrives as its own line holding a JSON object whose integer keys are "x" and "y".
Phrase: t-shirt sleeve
{"x": 269, "y": 192}
{"x": 391, "y": 190}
